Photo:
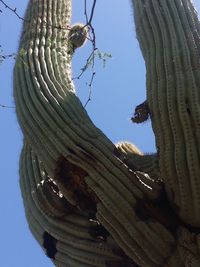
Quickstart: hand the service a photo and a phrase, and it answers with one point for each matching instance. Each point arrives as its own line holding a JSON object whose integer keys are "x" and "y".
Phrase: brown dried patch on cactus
{"x": 158, "y": 210}
{"x": 70, "y": 178}
{"x": 141, "y": 113}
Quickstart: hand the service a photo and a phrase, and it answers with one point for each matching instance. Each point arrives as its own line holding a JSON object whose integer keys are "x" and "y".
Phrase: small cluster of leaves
{"x": 103, "y": 56}
{"x": 96, "y": 54}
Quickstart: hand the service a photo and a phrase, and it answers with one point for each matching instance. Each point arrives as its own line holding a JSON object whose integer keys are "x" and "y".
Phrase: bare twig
{"x": 92, "y": 12}
{"x": 87, "y": 64}
{"x": 92, "y": 38}
{"x": 95, "y": 51}
{"x": 5, "y": 106}
{"x": 14, "y": 10}
{"x": 3, "y": 57}
{"x": 90, "y": 89}
{"x": 85, "y": 11}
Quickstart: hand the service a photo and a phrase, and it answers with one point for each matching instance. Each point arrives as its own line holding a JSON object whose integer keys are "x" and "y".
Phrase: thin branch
{"x": 85, "y": 11}
{"x": 3, "y": 57}
{"x": 5, "y": 106}
{"x": 14, "y": 10}
{"x": 92, "y": 12}
{"x": 90, "y": 91}
{"x": 92, "y": 38}
{"x": 88, "y": 62}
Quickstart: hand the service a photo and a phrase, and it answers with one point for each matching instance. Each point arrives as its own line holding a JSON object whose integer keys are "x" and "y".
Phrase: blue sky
{"x": 117, "y": 89}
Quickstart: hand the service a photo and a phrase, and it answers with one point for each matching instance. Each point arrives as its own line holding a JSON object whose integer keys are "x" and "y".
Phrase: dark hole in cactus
{"x": 187, "y": 107}
{"x": 99, "y": 232}
{"x": 49, "y": 244}
{"x": 188, "y": 111}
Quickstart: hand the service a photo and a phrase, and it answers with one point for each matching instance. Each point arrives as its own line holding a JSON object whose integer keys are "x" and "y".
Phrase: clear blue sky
{"x": 117, "y": 89}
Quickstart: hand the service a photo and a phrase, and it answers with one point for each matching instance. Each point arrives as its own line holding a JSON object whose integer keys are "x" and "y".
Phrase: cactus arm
{"x": 66, "y": 226}
{"x": 171, "y": 51}
{"x": 137, "y": 161}
{"x": 76, "y": 237}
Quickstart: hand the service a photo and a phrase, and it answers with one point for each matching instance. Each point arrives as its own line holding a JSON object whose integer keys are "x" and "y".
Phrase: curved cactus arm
{"x": 70, "y": 237}
{"x": 170, "y": 42}
{"x": 50, "y": 114}
{"x": 137, "y": 161}
{"x": 67, "y": 235}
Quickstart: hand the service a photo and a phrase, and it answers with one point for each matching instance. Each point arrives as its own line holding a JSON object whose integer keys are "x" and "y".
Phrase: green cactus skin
{"x": 69, "y": 169}
{"x": 71, "y": 229}
{"x": 169, "y": 36}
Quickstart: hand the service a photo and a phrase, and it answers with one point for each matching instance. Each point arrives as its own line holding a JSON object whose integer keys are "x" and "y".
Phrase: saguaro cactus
{"x": 169, "y": 37}
{"x": 87, "y": 201}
